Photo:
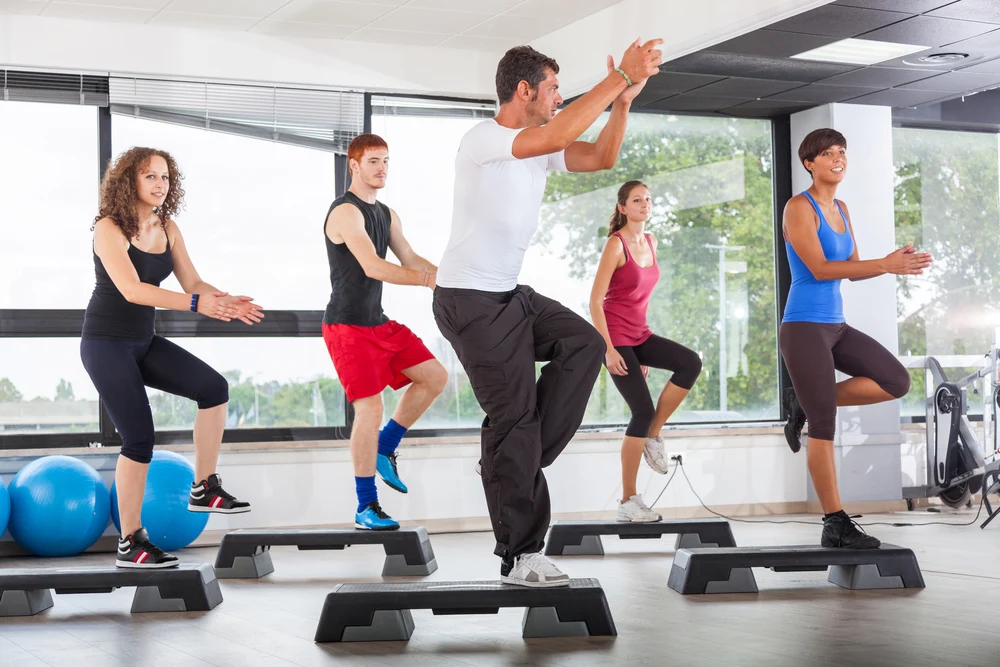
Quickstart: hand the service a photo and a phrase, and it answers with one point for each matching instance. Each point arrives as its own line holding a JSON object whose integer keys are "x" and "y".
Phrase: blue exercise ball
{"x": 59, "y": 506}
{"x": 4, "y": 507}
{"x": 165, "y": 514}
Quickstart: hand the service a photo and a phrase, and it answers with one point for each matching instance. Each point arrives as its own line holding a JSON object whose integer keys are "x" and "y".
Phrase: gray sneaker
{"x": 656, "y": 457}
{"x": 635, "y": 511}
{"x": 534, "y": 571}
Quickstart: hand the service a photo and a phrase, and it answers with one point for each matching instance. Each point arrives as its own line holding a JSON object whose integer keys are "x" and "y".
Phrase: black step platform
{"x": 245, "y": 554}
{"x": 697, "y": 571}
{"x": 583, "y": 538}
{"x": 381, "y": 612}
{"x": 27, "y": 591}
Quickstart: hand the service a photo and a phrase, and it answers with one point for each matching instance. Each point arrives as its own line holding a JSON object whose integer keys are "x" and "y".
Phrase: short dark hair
{"x": 521, "y": 63}
{"x": 818, "y": 141}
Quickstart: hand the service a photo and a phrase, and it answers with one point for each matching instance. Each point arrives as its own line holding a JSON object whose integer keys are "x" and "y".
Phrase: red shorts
{"x": 369, "y": 359}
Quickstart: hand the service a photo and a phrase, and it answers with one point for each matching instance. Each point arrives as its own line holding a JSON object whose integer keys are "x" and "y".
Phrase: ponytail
{"x": 619, "y": 219}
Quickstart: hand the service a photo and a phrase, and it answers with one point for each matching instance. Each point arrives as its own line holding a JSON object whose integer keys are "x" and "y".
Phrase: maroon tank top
{"x": 627, "y": 299}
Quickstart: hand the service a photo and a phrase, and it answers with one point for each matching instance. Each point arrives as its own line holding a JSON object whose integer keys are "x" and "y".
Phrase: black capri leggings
{"x": 655, "y": 352}
{"x": 813, "y": 352}
{"x": 122, "y": 369}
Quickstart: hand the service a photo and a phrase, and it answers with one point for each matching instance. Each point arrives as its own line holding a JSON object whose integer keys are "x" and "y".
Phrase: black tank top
{"x": 355, "y": 298}
{"x": 109, "y": 315}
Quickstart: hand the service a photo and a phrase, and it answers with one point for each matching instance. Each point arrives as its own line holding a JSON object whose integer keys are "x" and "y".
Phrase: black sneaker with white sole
{"x": 136, "y": 551}
{"x": 209, "y": 496}
{"x": 796, "y": 419}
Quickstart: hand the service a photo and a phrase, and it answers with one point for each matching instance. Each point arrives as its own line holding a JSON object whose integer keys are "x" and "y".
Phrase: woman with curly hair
{"x": 137, "y": 245}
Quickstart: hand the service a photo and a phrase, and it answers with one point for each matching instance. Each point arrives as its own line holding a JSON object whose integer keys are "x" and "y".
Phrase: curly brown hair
{"x": 120, "y": 194}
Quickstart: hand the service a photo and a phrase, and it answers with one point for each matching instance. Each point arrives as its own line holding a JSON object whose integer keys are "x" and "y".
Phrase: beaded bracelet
{"x": 194, "y": 303}
{"x": 628, "y": 80}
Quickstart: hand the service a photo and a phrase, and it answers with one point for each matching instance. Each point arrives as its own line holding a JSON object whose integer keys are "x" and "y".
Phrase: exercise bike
{"x": 957, "y": 466}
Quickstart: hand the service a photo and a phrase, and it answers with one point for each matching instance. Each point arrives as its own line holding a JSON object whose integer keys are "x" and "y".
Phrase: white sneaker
{"x": 535, "y": 571}
{"x": 479, "y": 468}
{"x": 635, "y": 510}
{"x": 656, "y": 457}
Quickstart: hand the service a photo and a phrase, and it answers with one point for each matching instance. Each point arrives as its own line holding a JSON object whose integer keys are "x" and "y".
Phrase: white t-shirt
{"x": 497, "y": 200}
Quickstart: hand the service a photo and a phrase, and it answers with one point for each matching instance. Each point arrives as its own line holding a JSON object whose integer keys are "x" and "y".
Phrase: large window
{"x": 711, "y": 181}
{"x": 48, "y": 198}
{"x": 947, "y": 201}
{"x": 253, "y": 220}
{"x": 420, "y": 188}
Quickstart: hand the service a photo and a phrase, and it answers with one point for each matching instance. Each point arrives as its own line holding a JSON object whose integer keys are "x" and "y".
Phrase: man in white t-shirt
{"x": 499, "y": 329}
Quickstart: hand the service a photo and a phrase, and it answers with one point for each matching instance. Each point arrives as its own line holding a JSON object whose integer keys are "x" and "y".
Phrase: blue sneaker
{"x": 373, "y": 518}
{"x": 386, "y": 467}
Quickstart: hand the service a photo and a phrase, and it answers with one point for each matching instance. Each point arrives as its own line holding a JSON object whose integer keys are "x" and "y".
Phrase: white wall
{"x": 685, "y": 27}
{"x": 580, "y": 48}
{"x": 316, "y": 487}
{"x": 868, "y": 438}
{"x": 49, "y": 43}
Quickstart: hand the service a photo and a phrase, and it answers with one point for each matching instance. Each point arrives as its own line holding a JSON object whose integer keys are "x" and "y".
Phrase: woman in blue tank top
{"x": 814, "y": 338}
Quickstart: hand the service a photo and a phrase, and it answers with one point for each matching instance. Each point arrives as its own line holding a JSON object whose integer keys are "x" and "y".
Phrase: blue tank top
{"x": 811, "y": 300}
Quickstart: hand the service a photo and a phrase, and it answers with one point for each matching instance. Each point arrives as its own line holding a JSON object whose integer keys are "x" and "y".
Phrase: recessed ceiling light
{"x": 859, "y": 52}
{"x": 939, "y": 58}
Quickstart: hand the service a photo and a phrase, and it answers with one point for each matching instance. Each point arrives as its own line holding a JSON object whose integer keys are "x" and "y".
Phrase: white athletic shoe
{"x": 479, "y": 468}
{"x": 535, "y": 571}
{"x": 656, "y": 457}
{"x": 634, "y": 510}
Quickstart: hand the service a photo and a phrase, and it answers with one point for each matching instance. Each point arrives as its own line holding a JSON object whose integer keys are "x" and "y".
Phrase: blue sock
{"x": 366, "y": 491}
{"x": 389, "y": 437}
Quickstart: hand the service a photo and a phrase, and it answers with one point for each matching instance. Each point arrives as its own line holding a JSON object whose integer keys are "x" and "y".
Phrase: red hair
{"x": 364, "y": 142}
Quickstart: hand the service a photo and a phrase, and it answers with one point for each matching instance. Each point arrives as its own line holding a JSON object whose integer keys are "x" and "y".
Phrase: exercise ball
{"x": 165, "y": 514}
{"x": 4, "y": 507}
{"x": 59, "y": 506}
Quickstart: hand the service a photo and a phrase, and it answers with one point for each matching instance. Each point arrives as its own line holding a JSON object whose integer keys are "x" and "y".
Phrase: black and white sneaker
{"x": 796, "y": 419}
{"x": 209, "y": 496}
{"x": 136, "y": 551}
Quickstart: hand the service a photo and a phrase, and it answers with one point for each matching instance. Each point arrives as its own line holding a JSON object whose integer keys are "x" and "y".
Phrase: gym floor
{"x": 796, "y": 619}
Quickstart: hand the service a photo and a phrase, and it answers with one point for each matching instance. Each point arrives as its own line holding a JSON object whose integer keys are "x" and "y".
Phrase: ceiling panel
{"x": 928, "y": 31}
{"x": 765, "y": 108}
{"x": 428, "y": 20}
{"x": 743, "y": 87}
{"x": 757, "y": 67}
{"x": 881, "y": 77}
{"x": 989, "y": 67}
{"x": 97, "y": 13}
{"x": 24, "y": 7}
{"x": 896, "y": 97}
{"x": 955, "y": 82}
{"x": 674, "y": 83}
{"x": 971, "y": 10}
{"x": 772, "y": 43}
{"x": 819, "y": 93}
{"x": 132, "y": 4}
{"x": 187, "y": 20}
{"x": 244, "y": 8}
{"x": 912, "y": 6}
{"x": 333, "y": 13}
{"x": 477, "y": 42}
{"x": 986, "y": 42}
{"x": 489, "y": 6}
{"x": 837, "y": 21}
{"x": 693, "y": 103}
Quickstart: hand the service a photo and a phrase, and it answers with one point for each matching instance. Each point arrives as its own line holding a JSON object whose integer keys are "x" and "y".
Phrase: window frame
{"x": 67, "y": 323}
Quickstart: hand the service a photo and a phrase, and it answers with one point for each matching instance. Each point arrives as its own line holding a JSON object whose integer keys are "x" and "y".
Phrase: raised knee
{"x": 899, "y": 386}
{"x": 214, "y": 393}
{"x": 437, "y": 379}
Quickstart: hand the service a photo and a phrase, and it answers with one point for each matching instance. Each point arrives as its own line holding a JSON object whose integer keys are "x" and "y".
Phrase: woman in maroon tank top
{"x": 625, "y": 279}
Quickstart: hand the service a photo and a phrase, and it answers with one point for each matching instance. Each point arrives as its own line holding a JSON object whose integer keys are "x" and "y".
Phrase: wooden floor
{"x": 797, "y": 618}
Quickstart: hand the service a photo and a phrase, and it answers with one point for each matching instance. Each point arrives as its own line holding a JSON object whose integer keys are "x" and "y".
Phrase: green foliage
{"x": 8, "y": 392}
{"x": 64, "y": 391}
{"x": 947, "y": 189}
{"x": 710, "y": 179}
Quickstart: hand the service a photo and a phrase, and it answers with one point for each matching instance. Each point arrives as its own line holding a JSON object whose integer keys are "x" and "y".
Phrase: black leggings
{"x": 655, "y": 352}
{"x": 813, "y": 354}
{"x": 122, "y": 369}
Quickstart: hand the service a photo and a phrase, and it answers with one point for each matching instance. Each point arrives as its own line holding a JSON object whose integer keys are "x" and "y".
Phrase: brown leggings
{"x": 813, "y": 352}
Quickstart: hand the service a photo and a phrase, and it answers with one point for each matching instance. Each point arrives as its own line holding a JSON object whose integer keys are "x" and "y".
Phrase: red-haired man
{"x": 370, "y": 351}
